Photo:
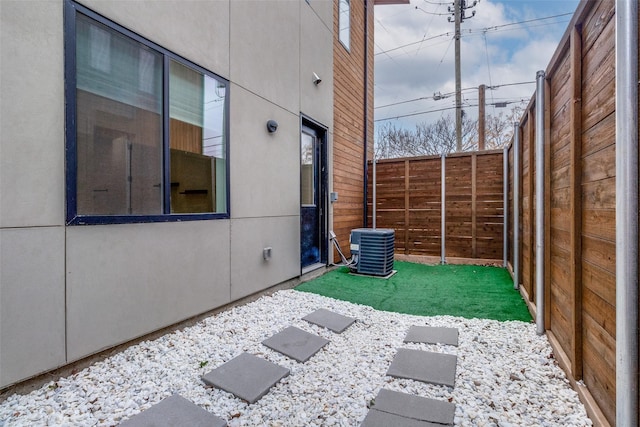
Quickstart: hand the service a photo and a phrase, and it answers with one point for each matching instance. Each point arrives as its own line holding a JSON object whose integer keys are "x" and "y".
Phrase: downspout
{"x": 366, "y": 111}
{"x": 540, "y": 175}
{"x": 516, "y": 206}
{"x": 626, "y": 213}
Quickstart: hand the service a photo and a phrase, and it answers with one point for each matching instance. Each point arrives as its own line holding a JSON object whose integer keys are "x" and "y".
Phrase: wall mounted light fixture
{"x": 272, "y": 126}
{"x": 316, "y": 79}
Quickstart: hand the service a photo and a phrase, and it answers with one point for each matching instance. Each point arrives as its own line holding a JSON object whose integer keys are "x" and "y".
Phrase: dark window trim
{"x": 71, "y": 9}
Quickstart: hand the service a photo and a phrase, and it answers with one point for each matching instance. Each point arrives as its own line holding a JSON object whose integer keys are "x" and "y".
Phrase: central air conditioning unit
{"x": 372, "y": 250}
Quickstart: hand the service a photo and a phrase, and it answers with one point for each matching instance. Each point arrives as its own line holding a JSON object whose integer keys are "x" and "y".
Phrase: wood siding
{"x": 349, "y": 122}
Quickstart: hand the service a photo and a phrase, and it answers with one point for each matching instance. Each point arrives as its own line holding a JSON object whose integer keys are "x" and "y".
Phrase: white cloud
{"x": 492, "y": 51}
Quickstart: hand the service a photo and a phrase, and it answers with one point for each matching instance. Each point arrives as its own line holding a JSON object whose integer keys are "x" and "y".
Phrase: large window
{"x": 344, "y": 22}
{"x": 146, "y": 129}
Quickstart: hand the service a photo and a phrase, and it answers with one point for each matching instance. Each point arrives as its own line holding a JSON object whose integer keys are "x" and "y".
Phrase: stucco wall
{"x": 69, "y": 291}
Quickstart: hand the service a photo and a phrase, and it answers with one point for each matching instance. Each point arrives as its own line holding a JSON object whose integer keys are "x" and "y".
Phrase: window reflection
{"x": 307, "y": 170}
{"x": 121, "y": 139}
{"x": 119, "y": 126}
{"x": 344, "y": 23}
{"x": 196, "y": 142}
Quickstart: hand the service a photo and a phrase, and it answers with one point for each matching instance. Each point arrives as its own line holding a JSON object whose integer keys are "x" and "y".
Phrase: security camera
{"x": 316, "y": 79}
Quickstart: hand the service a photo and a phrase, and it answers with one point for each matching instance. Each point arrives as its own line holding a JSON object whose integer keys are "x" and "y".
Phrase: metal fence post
{"x": 626, "y": 213}
{"x": 443, "y": 258}
{"x": 516, "y": 205}
{"x": 505, "y": 204}
{"x": 540, "y": 132}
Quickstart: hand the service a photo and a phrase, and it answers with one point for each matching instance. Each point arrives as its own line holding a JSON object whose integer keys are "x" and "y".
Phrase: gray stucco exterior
{"x": 67, "y": 292}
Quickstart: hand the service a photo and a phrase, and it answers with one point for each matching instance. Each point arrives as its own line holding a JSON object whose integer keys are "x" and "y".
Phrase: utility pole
{"x": 481, "y": 113}
{"x": 458, "y": 20}
{"x": 459, "y": 7}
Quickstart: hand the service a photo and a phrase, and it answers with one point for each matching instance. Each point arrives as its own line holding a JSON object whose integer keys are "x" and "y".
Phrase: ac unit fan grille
{"x": 376, "y": 251}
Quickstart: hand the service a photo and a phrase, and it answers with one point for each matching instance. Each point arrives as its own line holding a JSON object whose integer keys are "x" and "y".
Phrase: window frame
{"x": 346, "y": 45}
{"x": 71, "y": 10}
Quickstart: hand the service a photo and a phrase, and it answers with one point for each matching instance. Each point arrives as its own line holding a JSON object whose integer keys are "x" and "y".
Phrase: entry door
{"x": 312, "y": 196}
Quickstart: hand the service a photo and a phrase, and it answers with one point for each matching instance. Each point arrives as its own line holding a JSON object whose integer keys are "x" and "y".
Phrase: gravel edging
{"x": 506, "y": 373}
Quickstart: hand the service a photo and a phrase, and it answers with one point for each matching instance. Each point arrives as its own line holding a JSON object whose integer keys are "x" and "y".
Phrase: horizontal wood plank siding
{"x": 348, "y": 138}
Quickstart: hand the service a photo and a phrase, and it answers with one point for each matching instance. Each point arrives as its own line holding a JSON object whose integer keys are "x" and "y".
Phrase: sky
{"x": 415, "y": 55}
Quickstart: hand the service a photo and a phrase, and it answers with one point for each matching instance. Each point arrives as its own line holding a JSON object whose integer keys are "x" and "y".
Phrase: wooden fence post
{"x": 517, "y": 187}
{"x": 575, "y": 207}
{"x": 530, "y": 213}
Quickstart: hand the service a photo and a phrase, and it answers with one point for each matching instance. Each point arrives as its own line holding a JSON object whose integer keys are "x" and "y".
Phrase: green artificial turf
{"x": 429, "y": 290}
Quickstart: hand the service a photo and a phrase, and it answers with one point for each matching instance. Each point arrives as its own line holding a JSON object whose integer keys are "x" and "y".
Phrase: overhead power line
{"x": 437, "y": 3}
{"x": 495, "y": 27}
{"x": 439, "y": 95}
{"x": 502, "y": 103}
{"x": 425, "y": 39}
{"x": 473, "y": 31}
{"x": 432, "y": 13}
{"x": 436, "y": 96}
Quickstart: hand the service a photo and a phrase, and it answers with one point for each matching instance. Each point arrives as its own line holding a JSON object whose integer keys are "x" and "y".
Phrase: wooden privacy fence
{"x": 409, "y": 195}
{"x": 579, "y": 206}
{"x": 575, "y": 124}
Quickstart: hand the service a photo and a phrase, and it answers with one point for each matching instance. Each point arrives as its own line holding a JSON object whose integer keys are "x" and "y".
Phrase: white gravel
{"x": 506, "y": 374}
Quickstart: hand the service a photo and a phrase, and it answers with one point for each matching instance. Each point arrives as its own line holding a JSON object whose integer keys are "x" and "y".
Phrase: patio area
{"x": 505, "y": 373}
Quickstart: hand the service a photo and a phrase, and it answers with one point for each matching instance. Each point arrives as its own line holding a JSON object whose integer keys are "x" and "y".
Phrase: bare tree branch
{"x": 427, "y": 139}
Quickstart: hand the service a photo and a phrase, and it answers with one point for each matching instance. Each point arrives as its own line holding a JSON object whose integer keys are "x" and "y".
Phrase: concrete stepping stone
{"x": 330, "y": 320}
{"x": 295, "y": 343}
{"x": 425, "y": 366}
{"x": 432, "y": 335}
{"x": 415, "y": 407}
{"x": 246, "y": 376}
{"x": 175, "y": 411}
{"x": 377, "y": 418}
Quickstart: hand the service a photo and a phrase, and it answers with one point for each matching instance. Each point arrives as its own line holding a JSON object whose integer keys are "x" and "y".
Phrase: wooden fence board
{"x": 599, "y": 194}
{"x": 599, "y": 281}
{"x": 603, "y": 313}
{"x": 560, "y": 239}
{"x": 599, "y": 252}
{"x": 561, "y": 198}
{"x": 595, "y": 23}
{"x": 559, "y": 261}
{"x": 408, "y": 199}
{"x": 599, "y": 165}
{"x": 599, "y": 223}
{"x": 599, "y": 365}
{"x": 561, "y": 315}
{"x": 598, "y": 137}
{"x": 560, "y": 177}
